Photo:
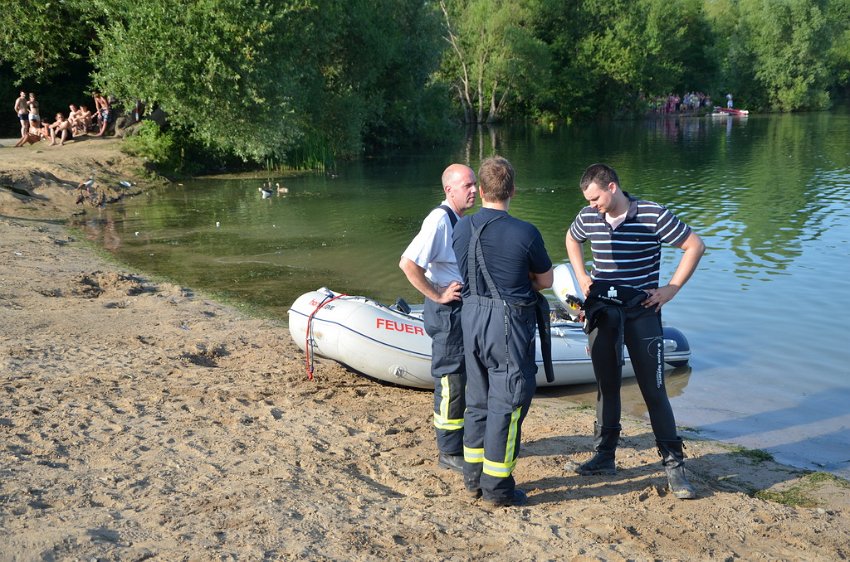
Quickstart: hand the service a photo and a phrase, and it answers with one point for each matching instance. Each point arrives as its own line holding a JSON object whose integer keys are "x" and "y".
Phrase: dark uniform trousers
{"x": 443, "y": 324}
{"x": 501, "y": 380}
{"x": 640, "y": 329}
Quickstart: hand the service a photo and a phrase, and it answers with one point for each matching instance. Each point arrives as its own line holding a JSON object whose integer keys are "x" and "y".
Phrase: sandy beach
{"x": 143, "y": 421}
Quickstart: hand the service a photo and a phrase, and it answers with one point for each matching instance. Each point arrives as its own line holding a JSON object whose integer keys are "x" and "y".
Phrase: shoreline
{"x": 143, "y": 420}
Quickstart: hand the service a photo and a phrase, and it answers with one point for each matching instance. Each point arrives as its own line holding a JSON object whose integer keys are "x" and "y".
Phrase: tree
{"x": 838, "y": 54}
{"x": 260, "y": 79}
{"x": 494, "y": 57}
{"x": 609, "y": 54}
{"x": 789, "y": 41}
{"x": 220, "y": 68}
{"x": 34, "y": 36}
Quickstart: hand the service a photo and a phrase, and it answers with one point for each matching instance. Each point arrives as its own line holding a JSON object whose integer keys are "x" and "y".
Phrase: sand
{"x": 141, "y": 420}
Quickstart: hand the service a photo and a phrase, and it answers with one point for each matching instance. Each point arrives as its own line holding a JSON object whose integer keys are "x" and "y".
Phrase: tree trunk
{"x": 493, "y": 114}
{"x": 464, "y": 103}
{"x": 497, "y": 107}
{"x": 480, "y": 93}
{"x": 463, "y": 87}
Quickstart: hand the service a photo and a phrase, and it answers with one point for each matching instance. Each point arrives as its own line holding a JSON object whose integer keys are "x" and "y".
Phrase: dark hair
{"x": 496, "y": 179}
{"x": 601, "y": 174}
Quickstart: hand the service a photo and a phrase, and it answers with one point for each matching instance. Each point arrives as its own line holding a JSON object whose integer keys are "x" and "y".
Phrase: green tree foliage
{"x": 220, "y": 68}
{"x": 263, "y": 79}
{"x": 838, "y": 55}
{"x": 314, "y": 80}
{"x": 38, "y": 38}
{"x": 43, "y": 48}
{"x": 789, "y": 43}
{"x": 494, "y": 58}
{"x": 367, "y": 68}
{"x": 736, "y": 65}
{"x": 608, "y": 54}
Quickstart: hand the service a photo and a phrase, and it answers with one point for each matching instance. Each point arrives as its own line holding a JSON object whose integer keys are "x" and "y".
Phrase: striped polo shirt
{"x": 631, "y": 253}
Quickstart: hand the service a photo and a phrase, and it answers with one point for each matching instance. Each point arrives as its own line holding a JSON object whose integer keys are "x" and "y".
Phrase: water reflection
{"x": 632, "y": 402}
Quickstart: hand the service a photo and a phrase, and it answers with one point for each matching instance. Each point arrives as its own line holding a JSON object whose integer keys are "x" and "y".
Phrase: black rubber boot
{"x": 605, "y": 444}
{"x": 472, "y": 480}
{"x": 673, "y": 459}
{"x": 451, "y": 462}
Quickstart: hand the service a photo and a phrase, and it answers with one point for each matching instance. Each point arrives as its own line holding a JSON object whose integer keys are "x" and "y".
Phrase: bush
{"x": 150, "y": 144}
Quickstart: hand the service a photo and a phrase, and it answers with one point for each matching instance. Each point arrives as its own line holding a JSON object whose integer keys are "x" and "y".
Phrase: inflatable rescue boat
{"x": 389, "y": 343}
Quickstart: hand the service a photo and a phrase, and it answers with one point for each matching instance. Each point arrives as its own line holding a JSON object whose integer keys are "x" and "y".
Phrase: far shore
{"x": 143, "y": 420}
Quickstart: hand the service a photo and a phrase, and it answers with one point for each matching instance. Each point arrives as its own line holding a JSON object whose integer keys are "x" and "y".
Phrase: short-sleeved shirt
{"x": 431, "y": 249}
{"x": 511, "y": 247}
{"x": 631, "y": 253}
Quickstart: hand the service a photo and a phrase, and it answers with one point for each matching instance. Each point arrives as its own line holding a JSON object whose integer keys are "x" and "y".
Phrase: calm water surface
{"x": 766, "y": 313}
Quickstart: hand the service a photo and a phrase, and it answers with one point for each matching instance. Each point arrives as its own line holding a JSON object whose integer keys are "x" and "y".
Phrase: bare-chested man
{"x": 74, "y": 119}
{"x": 101, "y": 105}
{"x": 85, "y": 118}
{"x": 22, "y": 110}
{"x": 60, "y": 128}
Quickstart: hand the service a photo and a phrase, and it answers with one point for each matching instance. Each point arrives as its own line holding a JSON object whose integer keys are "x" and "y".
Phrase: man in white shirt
{"x": 430, "y": 265}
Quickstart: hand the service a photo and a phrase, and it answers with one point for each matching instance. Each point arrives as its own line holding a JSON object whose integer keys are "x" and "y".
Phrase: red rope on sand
{"x": 308, "y": 344}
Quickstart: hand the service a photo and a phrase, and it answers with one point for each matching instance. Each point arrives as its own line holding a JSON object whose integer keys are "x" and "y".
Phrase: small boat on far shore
{"x": 723, "y": 111}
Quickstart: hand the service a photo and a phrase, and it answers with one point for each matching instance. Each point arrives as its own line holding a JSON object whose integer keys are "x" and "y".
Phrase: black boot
{"x": 605, "y": 444}
{"x": 673, "y": 459}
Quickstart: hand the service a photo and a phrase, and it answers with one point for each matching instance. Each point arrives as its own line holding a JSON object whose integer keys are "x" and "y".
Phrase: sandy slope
{"x": 143, "y": 421}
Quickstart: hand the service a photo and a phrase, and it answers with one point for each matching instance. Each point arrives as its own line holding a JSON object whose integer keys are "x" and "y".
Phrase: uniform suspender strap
{"x": 541, "y": 310}
{"x": 450, "y": 213}
{"x": 475, "y": 256}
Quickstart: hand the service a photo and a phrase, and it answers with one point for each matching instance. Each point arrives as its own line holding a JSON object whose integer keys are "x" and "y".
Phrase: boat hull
{"x": 392, "y": 346}
{"x": 730, "y": 111}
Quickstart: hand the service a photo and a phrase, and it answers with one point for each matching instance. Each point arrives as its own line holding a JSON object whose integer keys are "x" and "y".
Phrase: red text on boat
{"x": 393, "y": 326}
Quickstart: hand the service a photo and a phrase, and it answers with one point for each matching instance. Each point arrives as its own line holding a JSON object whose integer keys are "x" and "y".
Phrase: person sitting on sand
{"x": 74, "y": 120}
{"x": 61, "y": 128}
{"x": 31, "y": 137}
{"x": 44, "y": 130}
{"x": 85, "y": 118}
{"x": 34, "y": 134}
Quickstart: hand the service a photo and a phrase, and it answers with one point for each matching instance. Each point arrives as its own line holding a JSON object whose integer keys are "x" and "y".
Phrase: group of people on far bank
{"x": 673, "y": 103}
{"x": 481, "y": 275}
{"x": 79, "y": 121}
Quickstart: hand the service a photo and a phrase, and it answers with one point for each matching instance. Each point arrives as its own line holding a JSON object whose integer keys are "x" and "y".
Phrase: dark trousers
{"x": 499, "y": 345}
{"x": 443, "y": 324}
{"x": 644, "y": 339}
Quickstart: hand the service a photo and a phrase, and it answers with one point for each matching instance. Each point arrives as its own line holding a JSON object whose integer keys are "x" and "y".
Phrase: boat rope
{"x": 309, "y": 353}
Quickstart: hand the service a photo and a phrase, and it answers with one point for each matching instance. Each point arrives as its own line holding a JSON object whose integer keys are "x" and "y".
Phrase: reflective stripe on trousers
{"x": 442, "y": 414}
{"x": 506, "y": 467}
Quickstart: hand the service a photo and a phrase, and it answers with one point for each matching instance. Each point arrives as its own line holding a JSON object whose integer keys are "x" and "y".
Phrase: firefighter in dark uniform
{"x": 503, "y": 263}
{"x": 429, "y": 264}
{"x": 623, "y": 306}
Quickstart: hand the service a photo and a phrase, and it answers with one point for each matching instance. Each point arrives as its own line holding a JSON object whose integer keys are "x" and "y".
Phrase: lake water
{"x": 765, "y": 314}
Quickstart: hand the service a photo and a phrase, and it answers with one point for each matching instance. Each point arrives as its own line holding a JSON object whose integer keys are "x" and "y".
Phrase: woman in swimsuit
{"x": 35, "y": 120}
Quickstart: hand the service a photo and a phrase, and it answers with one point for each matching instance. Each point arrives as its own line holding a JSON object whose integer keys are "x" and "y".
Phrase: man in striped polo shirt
{"x": 623, "y": 305}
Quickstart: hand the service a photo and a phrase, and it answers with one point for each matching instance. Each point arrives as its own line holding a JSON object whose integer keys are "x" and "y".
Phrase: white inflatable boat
{"x": 390, "y": 343}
